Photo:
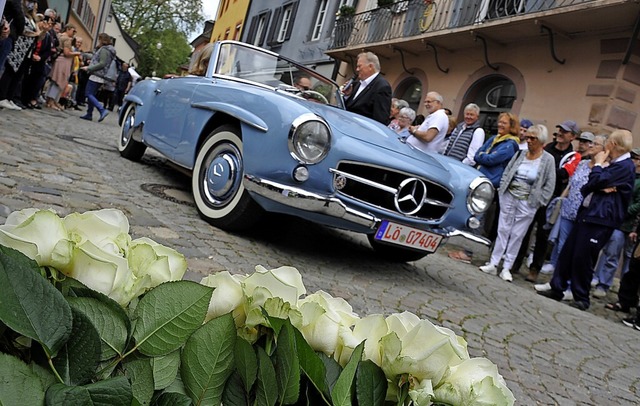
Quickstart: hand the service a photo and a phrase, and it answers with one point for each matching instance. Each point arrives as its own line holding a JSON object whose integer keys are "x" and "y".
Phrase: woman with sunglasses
{"x": 527, "y": 183}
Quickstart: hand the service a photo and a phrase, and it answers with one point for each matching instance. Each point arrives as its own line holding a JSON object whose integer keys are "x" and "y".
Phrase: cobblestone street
{"x": 548, "y": 352}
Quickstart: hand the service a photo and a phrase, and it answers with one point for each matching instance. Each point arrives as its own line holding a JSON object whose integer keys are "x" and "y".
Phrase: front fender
{"x": 239, "y": 113}
{"x": 128, "y": 99}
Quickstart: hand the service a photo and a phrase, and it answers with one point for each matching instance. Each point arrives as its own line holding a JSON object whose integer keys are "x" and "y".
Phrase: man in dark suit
{"x": 371, "y": 96}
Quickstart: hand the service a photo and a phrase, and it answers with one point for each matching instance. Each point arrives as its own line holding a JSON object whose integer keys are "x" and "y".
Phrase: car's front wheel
{"x": 394, "y": 253}
{"x": 216, "y": 183}
{"x": 128, "y": 147}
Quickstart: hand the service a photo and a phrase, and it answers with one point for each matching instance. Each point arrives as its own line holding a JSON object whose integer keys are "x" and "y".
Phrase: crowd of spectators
{"x": 568, "y": 202}
{"x": 43, "y": 64}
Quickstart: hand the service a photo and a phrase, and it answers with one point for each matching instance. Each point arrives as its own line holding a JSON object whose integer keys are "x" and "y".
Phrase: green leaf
{"x": 207, "y": 360}
{"x": 371, "y": 384}
{"x": 140, "y": 375}
{"x": 312, "y": 366}
{"x": 76, "y": 288}
{"x": 173, "y": 399}
{"x": 234, "y": 392}
{"x": 111, "y": 325}
{"x": 267, "y": 389}
{"x": 343, "y": 389}
{"x": 287, "y": 365}
{"x": 77, "y": 360}
{"x": 246, "y": 363}
{"x": 332, "y": 368}
{"x": 168, "y": 314}
{"x": 31, "y": 305}
{"x": 165, "y": 369}
{"x": 112, "y": 391}
{"x": 19, "y": 385}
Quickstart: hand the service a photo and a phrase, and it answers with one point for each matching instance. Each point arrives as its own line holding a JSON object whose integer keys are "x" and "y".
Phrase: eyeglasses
{"x": 404, "y": 117}
{"x": 531, "y": 138}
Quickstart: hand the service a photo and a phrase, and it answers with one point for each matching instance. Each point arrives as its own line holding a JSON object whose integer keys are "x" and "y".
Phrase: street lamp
{"x": 158, "y": 47}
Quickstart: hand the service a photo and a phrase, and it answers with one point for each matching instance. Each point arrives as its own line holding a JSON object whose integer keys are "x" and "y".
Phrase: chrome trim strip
{"x": 308, "y": 201}
{"x": 470, "y": 236}
{"x": 365, "y": 181}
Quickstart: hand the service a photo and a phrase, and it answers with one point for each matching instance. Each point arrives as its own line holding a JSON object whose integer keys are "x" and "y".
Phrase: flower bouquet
{"x": 91, "y": 316}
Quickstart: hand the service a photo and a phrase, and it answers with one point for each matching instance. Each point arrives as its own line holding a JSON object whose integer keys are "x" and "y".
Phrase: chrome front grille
{"x": 393, "y": 191}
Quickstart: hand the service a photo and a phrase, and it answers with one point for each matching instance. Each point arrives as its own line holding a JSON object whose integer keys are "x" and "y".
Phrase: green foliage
{"x": 169, "y": 357}
{"x": 141, "y": 18}
{"x": 174, "y": 51}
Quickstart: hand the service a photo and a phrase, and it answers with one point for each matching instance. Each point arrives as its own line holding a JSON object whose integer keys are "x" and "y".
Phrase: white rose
{"x": 322, "y": 317}
{"x": 38, "y": 234}
{"x": 107, "y": 229}
{"x": 424, "y": 351}
{"x": 475, "y": 381}
{"x": 369, "y": 329}
{"x": 162, "y": 264}
{"x": 227, "y": 297}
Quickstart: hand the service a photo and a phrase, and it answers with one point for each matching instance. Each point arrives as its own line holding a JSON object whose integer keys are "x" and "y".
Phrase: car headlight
{"x": 480, "y": 196}
{"x": 309, "y": 139}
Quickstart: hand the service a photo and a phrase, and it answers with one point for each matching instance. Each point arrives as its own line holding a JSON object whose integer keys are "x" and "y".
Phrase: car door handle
{"x": 157, "y": 91}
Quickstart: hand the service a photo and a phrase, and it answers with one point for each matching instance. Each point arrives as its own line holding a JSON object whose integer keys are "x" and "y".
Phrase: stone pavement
{"x": 548, "y": 352}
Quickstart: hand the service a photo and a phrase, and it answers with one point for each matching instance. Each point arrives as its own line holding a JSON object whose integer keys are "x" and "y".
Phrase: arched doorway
{"x": 494, "y": 94}
{"x": 410, "y": 89}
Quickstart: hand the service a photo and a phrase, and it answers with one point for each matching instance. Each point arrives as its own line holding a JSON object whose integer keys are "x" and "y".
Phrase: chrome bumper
{"x": 303, "y": 200}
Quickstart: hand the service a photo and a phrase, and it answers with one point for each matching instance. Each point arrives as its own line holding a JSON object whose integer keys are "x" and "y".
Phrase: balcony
{"x": 458, "y": 24}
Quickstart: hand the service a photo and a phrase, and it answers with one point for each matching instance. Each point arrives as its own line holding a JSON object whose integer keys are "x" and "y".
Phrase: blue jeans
{"x": 563, "y": 233}
{"x": 5, "y": 49}
{"x": 91, "y": 92}
{"x": 609, "y": 260}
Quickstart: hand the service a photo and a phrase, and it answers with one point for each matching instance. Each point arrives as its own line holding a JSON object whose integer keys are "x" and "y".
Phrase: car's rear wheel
{"x": 393, "y": 253}
{"x": 128, "y": 147}
{"x": 217, "y": 186}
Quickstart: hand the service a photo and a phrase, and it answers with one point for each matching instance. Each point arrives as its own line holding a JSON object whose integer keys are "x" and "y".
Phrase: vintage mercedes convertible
{"x": 255, "y": 143}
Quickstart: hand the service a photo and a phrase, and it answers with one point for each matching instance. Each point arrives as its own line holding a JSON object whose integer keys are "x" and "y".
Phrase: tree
{"x": 173, "y": 52}
{"x": 142, "y": 17}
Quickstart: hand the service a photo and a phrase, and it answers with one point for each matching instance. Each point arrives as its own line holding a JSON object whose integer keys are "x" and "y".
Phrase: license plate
{"x": 406, "y": 236}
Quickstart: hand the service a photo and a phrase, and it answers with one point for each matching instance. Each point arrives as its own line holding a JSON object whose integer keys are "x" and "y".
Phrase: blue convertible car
{"x": 255, "y": 142}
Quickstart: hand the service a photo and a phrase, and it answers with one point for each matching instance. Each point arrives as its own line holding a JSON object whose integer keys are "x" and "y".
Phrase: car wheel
{"x": 393, "y": 253}
{"x": 217, "y": 186}
{"x": 128, "y": 147}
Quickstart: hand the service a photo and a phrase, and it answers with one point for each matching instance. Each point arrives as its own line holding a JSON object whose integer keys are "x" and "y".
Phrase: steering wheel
{"x": 314, "y": 96}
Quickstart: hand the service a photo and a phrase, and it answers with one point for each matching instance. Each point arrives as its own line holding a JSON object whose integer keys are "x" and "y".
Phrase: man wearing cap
{"x": 566, "y": 160}
{"x": 524, "y": 125}
{"x": 619, "y": 241}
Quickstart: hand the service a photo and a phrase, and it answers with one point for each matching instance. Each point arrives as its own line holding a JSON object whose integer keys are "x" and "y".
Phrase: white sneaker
{"x": 505, "y": 275}
{"x": 548, "y": 268}
{"x": 6, "y": 104}
{"x": 529, "y": 260}
{"x": 15, "y": 106}
{"x": 594, "y": 283}
{"x": 488, "y": 268}
{"x": 542, "y": 287}
{"x": 567, "y": 295}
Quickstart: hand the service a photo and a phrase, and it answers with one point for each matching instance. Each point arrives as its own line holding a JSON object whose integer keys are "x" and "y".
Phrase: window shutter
{"x": 251, "y": 35}
{"x": 272, "y": 38}
{"x": 294, "y": 10}
{"x": 266, "y": 26}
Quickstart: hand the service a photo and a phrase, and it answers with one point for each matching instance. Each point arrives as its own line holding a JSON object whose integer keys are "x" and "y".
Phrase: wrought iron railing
{"x": 408, "y": 18}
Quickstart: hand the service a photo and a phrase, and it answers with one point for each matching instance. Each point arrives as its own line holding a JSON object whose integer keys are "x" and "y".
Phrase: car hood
{"x": 371, "y": 132}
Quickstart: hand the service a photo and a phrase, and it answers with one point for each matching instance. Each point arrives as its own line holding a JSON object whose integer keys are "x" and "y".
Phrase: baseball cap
{"x": 524, "y": 123}
{"x": 587, "y": 136}
{"x": 569, "y": 125}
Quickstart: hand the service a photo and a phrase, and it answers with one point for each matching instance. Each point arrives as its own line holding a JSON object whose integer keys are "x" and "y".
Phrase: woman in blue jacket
{"x": 494, "y": 156}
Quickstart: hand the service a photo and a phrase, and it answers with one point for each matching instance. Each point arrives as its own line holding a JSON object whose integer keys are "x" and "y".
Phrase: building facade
{"x": 545, "y": 60}
{"x": 299, "y": 30}
{"x": 230, "y": 19}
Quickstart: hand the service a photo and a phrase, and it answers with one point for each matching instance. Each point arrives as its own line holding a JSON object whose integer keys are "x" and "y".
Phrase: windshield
{"x": 253, "y": 64}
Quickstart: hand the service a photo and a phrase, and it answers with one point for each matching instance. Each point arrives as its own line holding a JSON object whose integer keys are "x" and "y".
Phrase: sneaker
{"x": 104, "y": 113}
{"x": 631, "y": 322}
{"x": 6, "y": 104}
{"x": 542, "y": 287}
{"x": 548, "y": 268}
{"x": 551, "y": 294}
{"x": 594, "y": 283}
{"x": 86, "y": 117}
{"x": 599, "y": 293}
{"x": 489, "y": 268}
{"x": 580, "y": 305}
{"x": 529, "y": 260}
{"x": 567, "y": 296}
{"x": 505, "y": 275}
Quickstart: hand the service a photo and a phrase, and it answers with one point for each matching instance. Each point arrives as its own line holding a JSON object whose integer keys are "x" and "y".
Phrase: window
{"x": 262, "y": 25}
{"x": 317, "y": 27}
{"x": 226, "y": 34}
{"x": 284, "y": 24}
{"x": 236, "y": 35}
{"x": 83, "y": 10}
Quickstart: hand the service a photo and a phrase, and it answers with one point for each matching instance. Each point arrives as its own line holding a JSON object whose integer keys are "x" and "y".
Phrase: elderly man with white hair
{"x": 467, "y": 137}
{"x": 430, "y": 135}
